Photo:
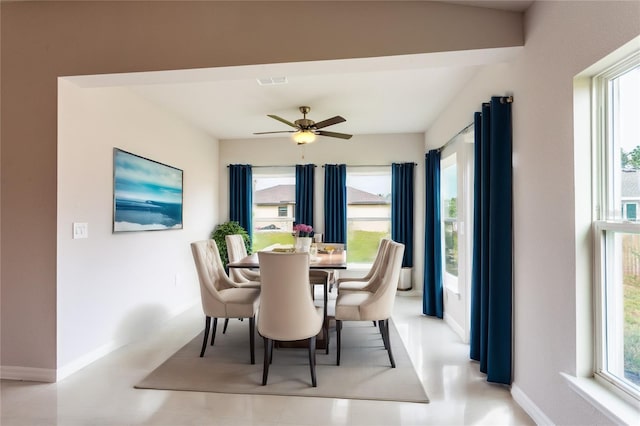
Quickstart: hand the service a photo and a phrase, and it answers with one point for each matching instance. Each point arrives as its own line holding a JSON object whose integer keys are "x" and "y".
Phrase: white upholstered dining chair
{"x": 374, "y": 306}
{"x": 364, "y": 283}
{"x": 287, "y": 312}
{"x": 221, "y": 297}
{"x": 236, "y": 251}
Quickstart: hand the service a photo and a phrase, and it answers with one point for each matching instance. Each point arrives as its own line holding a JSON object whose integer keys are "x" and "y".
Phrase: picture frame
{"x": 147, "y": 194}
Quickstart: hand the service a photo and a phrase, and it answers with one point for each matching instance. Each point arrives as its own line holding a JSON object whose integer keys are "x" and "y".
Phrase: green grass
{"x": 632, "y": 328}
{"x": 361, "y": 245}
{"x": 265, "y": 239}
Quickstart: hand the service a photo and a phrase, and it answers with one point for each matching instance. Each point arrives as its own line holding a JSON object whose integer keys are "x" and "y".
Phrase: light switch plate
{"x": 80, "y": 230}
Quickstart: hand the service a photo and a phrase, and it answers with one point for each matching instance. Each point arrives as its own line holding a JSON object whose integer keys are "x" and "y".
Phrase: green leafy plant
{"x": 229, "y": 228}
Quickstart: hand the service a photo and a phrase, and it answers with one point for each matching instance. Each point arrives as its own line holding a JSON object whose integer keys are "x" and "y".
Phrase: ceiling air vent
{"x": 271, "y": 81}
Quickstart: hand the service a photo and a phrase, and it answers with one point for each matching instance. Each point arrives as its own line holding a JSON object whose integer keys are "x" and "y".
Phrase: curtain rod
{"x": 503, "y": 100}
{"x": 373, "y": 165}
{"x": 450, "y": 141}
{"x": 281, "y": 165}
{"x": 293, "y": 165}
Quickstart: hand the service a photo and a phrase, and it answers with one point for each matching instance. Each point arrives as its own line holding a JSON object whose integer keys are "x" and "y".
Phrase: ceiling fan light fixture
{"x": 303, "y": 137}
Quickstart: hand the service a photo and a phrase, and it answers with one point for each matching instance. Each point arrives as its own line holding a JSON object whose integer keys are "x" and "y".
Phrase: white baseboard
{"x": 51, "y": 375}
{"x": 104, "y": 350}
{"x": 8, "y": 372}
{"x": 529, "y": 407}
{"x": 448, "y": 319}
{"x": 86, "y": 359}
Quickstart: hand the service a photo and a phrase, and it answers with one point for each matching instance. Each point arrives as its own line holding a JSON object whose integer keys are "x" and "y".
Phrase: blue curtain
{"x": 402, "y": 189}
{"x": 304, "y": 193}
{"x": 335, "y": 203}
{"x": 240, "y": 196}
{"x": 491, "y": 275}
{"x": 432, "y": 299}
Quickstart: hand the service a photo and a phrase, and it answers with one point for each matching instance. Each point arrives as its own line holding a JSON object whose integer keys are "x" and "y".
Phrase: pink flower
{"x": 302, "y": 230}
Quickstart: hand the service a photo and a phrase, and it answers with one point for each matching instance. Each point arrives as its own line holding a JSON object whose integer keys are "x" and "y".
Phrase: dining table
{"x": 323, "y": 260}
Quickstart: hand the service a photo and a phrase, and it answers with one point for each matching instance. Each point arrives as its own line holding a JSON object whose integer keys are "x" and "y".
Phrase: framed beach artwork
{"x": 147, "y": 195}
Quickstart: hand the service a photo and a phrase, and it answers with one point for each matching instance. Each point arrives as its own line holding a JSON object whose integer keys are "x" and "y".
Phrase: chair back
{"x": 376, "y": 274}
{"x": 236, "y": 250}
{"x": 286, "y": 309}
{"x": 378, "y": 261}
{"x": 211, "y": 275}
{"x": 380, "y": 305}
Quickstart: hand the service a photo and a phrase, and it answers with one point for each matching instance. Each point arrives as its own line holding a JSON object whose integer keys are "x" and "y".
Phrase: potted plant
{"x": 229, "y": 228}
{"x": 302, "y": 235}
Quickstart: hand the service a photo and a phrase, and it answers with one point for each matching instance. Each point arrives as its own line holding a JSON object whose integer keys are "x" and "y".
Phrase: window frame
{"x": 608, "y": 218}
{"x": 367, "y": 171}
{"x": 274, "y": 172}
{"x": 462, "y": 147}
{"x": 603, "y": 233}
{"x": 450, "y": 281}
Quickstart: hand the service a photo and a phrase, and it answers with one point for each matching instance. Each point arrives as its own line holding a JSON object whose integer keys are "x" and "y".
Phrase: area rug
{"x": 364, "y": 371}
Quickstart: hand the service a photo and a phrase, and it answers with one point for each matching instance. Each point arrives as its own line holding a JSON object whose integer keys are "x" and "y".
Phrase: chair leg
{"x": 226, "y": 323}
{"x": 252, "y": 338}
{"x": 265, "y": 369}
{"x": 326, "y": 328}
{"x": 375, "y": 323}
{"x": 385, "y": 337}
{"x": 338, "y": 330}
{"x": 312, "y": 360}
{"x": 207, "y": 325}
{"x": 215, "y": 327}
{"x": 381, "y": 327}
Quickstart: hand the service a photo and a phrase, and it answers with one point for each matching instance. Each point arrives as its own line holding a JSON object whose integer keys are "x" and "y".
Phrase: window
{"x": 368, "y": 211}
{"x": 274, "y": 195}
{"x": 449, "y": 197}
{"x": 616, "y": 229}
{"x": 456, "y": 201}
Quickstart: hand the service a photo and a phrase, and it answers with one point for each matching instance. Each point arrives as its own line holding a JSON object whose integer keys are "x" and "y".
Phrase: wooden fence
{"x": 631, "y": 255}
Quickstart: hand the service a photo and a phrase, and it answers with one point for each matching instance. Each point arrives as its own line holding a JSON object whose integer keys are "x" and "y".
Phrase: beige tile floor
{"x": 103, "y": 394}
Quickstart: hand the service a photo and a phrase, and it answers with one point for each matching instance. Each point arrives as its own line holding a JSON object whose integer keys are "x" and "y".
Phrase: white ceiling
{"x": 399, "y": 94}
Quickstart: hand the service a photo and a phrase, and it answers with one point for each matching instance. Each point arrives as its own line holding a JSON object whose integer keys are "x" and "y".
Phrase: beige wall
{"x": 268, "y": 215}
{"x": 41, "y": 41}
{"x": 113, "y": 288}
{"x": 44, "y": 40}
{"x": 370, "y": 211}
{"x": 562, "y": 39}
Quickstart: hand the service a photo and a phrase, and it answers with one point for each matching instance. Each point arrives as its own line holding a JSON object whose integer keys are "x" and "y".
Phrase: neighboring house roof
{"x": 357, "y": 196}
{"x": 286, "y": 194}
{"x": 630, "y": 183}
{"x": 282, "y": 194}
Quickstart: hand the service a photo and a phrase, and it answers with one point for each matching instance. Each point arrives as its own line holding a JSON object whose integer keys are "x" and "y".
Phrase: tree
{"x": 453, "y": 207}
{"x": 229, "y": 228}
{"x": 631, "y": 159}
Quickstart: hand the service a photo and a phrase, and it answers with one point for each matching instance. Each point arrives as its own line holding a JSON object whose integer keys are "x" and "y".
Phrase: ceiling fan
{"x": 306, "y": 129}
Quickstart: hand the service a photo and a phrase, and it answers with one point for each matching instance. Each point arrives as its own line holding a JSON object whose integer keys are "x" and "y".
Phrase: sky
{"x": 137, "y": 178}
{"x": 370, "y": 183}
{"x": 629, "y": 110}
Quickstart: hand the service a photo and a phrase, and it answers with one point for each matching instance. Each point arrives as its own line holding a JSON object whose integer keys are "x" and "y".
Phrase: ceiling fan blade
{"x": 281, "y": 131}
{"x": 329, "y": 122}
{"x": 334, "y": 134}
{"x": 282, "y": 120}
